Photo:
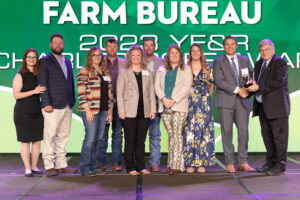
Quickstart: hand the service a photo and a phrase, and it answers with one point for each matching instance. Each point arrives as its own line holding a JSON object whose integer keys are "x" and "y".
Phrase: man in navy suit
{"x": 272, "y": 104}
{"x": 57, "y": 76}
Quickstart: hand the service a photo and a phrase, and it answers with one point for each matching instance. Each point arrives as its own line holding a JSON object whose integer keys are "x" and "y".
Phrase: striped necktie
{"x": 235, "y": 72}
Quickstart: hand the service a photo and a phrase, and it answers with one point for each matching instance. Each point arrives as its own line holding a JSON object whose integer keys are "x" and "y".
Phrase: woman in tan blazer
{"x": 173, "y": 82}
{"x": 136, "y": 106}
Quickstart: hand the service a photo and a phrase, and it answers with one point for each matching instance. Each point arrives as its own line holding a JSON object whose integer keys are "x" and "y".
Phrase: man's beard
{"x": 149, "y": 54}
{"x": 57, "y": 52}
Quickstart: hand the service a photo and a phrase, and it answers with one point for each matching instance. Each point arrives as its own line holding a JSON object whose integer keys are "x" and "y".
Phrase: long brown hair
{"x": 128, "y": 57}
{"x": 203, "y": 62}
{"x": 168, "y": 62}
{"x": 36, "y": 68}
{"x": 88, "y": 61}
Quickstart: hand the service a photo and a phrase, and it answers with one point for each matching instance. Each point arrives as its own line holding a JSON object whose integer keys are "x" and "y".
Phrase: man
{"x": 272, "y": 105}
{"x": 57, "y": 101}
{"x": 232, "y": 101}
{"x": 114, "y": 64}
{"x": 153, "y": 62}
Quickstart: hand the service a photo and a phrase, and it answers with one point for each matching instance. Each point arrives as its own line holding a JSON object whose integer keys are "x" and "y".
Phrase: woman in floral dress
{"x": 198, "y": 132}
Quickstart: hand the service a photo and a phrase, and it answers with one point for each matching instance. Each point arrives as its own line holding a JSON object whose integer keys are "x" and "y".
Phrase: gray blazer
{"x": 128, "y": 93}
{"x": 157, "y": 63}
{"x": 180, "y": 94}
{"x": 226, "y": 82}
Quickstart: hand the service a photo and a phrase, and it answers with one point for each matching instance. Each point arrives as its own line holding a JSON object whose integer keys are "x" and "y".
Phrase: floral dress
{"x": 198, "y": 131}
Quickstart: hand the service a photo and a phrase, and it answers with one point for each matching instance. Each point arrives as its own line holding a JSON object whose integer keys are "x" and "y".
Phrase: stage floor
{"x": 215, "y": 184}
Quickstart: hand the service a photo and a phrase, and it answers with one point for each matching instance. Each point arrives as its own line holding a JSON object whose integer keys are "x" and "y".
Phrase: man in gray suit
{"x": 153, "y": 62}
{"x": 232, "y": 101}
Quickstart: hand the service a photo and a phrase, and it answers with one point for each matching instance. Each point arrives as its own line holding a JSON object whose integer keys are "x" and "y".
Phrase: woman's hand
{"x": 39, "y": 89}
{"x": 152, "y": 115}
{"x": 109, "y": 117}
{"x": 122, "y": 115}
{"x": 89, "y": 115}
{"x": 167, "y": 102}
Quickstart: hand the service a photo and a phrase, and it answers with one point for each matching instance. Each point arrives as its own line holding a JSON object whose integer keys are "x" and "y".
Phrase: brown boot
{"x": 67, "y": 170}
{"x": 230, "y": 168}
{"x": 51, "y": 172}
{"x": 117, "y": 168}
{"x": 245, "y": 167}
{"x": 154, "y": 168}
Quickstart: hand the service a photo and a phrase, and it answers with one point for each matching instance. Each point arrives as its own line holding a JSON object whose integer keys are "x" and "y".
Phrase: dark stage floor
{"x": 215, "y": 184}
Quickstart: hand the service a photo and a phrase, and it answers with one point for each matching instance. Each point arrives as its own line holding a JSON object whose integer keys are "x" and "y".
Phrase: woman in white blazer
{"x": 136, "y": 106}
{"x": 173, "y": 82}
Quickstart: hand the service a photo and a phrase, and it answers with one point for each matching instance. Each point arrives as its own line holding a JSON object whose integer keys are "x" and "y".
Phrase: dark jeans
{"x": 91, "y": 144}
{"x": 135, "y": 135}
{"x": 154, "y": 141}
{"x": 116, "y": 144}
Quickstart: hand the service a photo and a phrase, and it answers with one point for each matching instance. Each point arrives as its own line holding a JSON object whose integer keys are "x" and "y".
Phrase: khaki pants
{"x": 57, "y": 125}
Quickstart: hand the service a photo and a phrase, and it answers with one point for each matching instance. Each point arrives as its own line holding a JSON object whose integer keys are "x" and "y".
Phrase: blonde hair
{"x": 88, "y": 61}
{"x": 203, "y": 62}
{"x": 168, "y": 62}
{"x": 128, "y": 57}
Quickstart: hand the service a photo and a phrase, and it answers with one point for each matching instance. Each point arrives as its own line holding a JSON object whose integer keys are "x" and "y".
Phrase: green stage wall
{"x": 29, "y": 24}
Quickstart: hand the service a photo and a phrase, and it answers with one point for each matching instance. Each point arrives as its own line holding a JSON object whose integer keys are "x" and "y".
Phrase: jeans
{"x": 117, "y": 137}
{"x": 94, "y": 132}
{"x": 154, "y": 141}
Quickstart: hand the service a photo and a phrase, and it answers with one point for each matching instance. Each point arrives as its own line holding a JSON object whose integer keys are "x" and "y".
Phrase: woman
{"x": 136, "y": 106}
{"x": 172, "y": 85}
{"x": 28, "y": 117}
{"x": 96, "y": 106}
{"x": 198, "y": 132}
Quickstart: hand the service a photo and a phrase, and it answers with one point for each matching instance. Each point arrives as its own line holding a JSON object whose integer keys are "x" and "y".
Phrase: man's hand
{"x": 243, "y": 92}
{"x": 48, "y": 109}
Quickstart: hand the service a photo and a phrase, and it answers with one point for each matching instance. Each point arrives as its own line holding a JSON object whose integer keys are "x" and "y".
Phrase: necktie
{"x": 235, "y": 72}
{"x": 259, "y": 81}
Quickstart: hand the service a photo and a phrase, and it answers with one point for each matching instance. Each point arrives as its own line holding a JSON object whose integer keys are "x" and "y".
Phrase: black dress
{"x": 28, "y": 117}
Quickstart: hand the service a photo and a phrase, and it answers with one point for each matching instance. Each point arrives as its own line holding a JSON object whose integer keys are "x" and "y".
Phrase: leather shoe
{"x": 174, "y": 172}
{"x": 230, "y": 168}
{"x": 102, "y": 168}
{"x": 51, "y": 172}
{"x": 245, "y": 167}
{"x": 154, "y": 168}
{"x": 37, "y": 172}
{"x": 263, "y": 169}
{"x": 167, "y": 171}
{"x": 67, "y": 170}
{"x": 117, "y": 168}
{"x": 278, "y": 169}
{"x": 28, "y": 174}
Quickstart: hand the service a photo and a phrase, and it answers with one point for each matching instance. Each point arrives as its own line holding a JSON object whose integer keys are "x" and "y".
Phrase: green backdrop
{"x": 24, "y": 24}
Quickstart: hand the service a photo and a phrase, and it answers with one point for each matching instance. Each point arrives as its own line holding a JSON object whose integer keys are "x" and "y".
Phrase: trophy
{"x": 248, "y": 76}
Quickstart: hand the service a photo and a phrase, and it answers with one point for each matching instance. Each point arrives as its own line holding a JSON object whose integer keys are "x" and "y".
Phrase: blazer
{"x": 226, "y": 83}
{"x": 274, "y": 89}
{"x": 60, "y": 91}
{"x": 89, "y": 91}
{"x": 128, "y": 93}
{"x": 157, "y": 63}
{"x": 181, "y": 90}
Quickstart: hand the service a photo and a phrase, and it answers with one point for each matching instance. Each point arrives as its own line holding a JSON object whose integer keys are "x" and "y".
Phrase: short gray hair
{"x": 266, "y": 42}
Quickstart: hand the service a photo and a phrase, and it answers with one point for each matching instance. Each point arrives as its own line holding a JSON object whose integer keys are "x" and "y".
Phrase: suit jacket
{"x": 181, "y": 90}
{"x": 121, "y": 62}
{"x": 60, "y": 91}
{"x": 274, "y": 89}
{"x": 226, "y": 83}
{"x": 128, "y": 93}
{"x": 157, "y": 63}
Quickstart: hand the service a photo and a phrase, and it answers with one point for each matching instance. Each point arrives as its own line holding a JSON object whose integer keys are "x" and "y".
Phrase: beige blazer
{"x": 182, "y": 87}
{"x": 128, "y": 93}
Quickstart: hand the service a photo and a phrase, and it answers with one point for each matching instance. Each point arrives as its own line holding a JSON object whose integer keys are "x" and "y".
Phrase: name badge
{"x": 106, "y": 78}
{"x": 162, "y": 69}
{"x": 145, "y": 73}
{"x": 245, "y": 72}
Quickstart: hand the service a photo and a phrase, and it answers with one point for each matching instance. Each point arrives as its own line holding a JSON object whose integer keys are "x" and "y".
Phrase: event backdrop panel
{"x": 29, "y": 24}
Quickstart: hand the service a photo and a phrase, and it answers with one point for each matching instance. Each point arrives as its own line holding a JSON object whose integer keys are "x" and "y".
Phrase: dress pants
{"x": 57, "y": 125}
{"x": 240, "y": 116}
{"x": 275, "y": 135}
{"x": 135, "y": 130}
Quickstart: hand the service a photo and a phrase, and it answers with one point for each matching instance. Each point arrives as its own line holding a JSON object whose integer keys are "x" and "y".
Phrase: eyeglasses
{"x": 31, "y": 57}
{"x": 97, "y": 55}
{"x": 264, "y": 50}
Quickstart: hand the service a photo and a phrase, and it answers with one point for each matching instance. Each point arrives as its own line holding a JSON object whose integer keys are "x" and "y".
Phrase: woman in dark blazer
{"x": 136, "y": 106}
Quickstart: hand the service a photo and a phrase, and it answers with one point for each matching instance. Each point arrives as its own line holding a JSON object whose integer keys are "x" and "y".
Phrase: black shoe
{"x": 28, "y": 174}
{"x": 275, "y": 172}
{"x": 37, "y": 172}
{"x": 263, "y": 169}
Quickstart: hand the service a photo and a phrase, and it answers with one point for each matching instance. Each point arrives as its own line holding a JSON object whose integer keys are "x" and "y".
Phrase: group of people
{"x": 136, "y": 93}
